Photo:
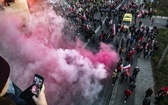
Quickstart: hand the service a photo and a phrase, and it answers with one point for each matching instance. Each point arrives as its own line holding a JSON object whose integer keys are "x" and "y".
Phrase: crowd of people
{"x": 140, "y": 41}
{"x": 82, "y": 16}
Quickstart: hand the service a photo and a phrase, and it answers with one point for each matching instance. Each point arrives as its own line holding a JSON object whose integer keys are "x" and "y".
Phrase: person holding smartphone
{"x": 41, "y": 99}
{"x": 4, "y": 84}
{"x": 37, "y": 90}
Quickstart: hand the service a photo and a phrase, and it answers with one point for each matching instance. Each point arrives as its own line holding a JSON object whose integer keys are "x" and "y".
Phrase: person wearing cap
{"x": 135, "y": 71}
{"x": 4, "y": 76}
{"x": 114, "y": 77}
{"x": 4, "y": 83}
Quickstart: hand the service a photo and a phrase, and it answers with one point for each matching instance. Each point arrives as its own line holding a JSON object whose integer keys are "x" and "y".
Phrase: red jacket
{"x": 122, "y": 28}
{"x": 138, "y": 46}
{"x": 132, "y": 52}
{"x": 127, "y": 92}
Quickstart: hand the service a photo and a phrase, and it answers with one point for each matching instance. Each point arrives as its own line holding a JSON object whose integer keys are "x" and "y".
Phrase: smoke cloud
{"x": 71, "y": 73}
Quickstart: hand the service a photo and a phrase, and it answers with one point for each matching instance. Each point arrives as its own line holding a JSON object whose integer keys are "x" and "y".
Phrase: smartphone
{"x": 37, "y": 84}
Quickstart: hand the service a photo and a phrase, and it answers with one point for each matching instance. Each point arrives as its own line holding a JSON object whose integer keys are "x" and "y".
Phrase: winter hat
{"x": 4, "y": 72}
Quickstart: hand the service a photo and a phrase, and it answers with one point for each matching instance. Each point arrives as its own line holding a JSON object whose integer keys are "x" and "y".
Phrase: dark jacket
{"x": 15, "y": 99}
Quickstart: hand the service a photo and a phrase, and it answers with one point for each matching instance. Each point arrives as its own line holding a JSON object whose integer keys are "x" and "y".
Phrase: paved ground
{"x": 144, "y": 81}
{"x": 160, "y": 23}
{"x": 161, "y": 17}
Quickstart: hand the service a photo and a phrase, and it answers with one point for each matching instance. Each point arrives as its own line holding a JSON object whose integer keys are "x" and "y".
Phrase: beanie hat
{"x": 4, "y": 72}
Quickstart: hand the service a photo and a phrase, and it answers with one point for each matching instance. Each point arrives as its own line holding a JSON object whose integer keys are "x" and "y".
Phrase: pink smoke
{"x": 106, "y": 56}
{"x": 72, "y": 74}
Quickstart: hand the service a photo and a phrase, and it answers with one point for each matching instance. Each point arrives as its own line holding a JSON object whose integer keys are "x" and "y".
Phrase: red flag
{"x": 127, "y": 67}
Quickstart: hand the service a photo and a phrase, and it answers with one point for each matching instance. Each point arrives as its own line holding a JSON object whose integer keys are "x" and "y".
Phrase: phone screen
{"x": 37, "y": 84}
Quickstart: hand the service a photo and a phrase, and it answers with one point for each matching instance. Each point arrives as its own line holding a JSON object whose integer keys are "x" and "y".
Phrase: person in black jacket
{"x": 148, "y": 92}
{"x": 135, "y": 72}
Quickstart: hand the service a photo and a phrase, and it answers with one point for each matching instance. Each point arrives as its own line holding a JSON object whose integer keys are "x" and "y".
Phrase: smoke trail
{"x": 72, "y": 74}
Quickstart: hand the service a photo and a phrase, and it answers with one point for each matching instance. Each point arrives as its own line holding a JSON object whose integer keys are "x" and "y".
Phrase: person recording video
{"x": 4, "y": 84}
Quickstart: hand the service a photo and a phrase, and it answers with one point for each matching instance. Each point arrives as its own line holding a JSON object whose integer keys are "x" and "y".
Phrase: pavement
{"x": 144, "y": 81}
{"x": 160, "y": 17}
{"x": 160, "y": 23}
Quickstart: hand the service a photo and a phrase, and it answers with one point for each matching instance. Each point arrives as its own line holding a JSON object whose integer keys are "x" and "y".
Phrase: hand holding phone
{"x": 41, "y": 99}
{"x": 37, "y": 84}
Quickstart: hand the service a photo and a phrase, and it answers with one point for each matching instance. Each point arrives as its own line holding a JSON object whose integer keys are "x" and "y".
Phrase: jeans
{"x": 11, "y": 88}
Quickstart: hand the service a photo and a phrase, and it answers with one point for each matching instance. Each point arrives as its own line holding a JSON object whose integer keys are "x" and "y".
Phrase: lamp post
{"x": 157, "y": 3}
{"x": 151, "y": 2}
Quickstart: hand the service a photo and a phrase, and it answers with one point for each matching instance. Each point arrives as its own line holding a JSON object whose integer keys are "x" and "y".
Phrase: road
{"x": 105, "y": 95}
{"x": 160, "y": 23}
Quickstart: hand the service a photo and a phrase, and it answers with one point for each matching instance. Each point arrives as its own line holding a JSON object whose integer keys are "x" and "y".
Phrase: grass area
{"x": 161, "y": 74}
{"x": 161, "y": 8}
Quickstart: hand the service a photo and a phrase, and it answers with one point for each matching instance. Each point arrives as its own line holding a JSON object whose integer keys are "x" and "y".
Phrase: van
{"x": 127, "y": 20}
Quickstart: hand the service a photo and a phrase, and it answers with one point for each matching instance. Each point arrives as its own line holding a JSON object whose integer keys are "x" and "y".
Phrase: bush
{"x": 160, "y": 75}
{"x": 161, "y": 8}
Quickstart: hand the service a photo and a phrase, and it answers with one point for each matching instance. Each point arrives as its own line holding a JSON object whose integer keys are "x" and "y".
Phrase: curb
{"x": 114, "y": 91}
{"x": 161, "y": 17}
